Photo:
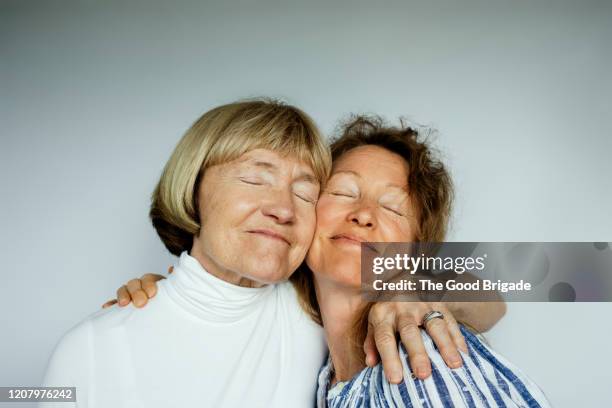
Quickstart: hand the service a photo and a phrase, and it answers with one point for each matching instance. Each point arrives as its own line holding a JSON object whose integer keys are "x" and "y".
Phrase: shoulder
{"x": 71, "y": 356}
{"x": 77, "y": 338}
{"x": 69, "y": 359}
{"x": 106, "y": 320}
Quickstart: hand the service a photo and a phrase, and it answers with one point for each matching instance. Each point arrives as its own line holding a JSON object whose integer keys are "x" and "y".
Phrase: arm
{"x": 385, "y": 319}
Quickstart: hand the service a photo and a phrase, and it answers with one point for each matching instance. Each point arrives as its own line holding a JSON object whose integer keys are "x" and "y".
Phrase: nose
{"x": 363, "y": 217}
{"x": 280, "y": 206}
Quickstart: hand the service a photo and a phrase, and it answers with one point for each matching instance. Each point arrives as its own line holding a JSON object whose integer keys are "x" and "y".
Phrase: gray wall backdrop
{"x": 94, "y": 96}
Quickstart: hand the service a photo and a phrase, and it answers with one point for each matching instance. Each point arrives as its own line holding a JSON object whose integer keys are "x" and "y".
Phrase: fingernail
{"x": 456, "y": 361}
{"x": 422, "y": 373}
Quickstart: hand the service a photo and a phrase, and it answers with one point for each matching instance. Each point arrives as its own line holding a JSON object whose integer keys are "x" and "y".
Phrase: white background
{"x": 94, "y": 98}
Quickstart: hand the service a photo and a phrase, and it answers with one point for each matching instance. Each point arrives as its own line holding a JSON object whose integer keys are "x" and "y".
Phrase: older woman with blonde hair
{"x": 236, "y": 202}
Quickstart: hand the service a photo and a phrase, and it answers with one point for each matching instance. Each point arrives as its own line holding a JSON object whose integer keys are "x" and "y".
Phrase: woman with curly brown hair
{"x": 386, "y": 185}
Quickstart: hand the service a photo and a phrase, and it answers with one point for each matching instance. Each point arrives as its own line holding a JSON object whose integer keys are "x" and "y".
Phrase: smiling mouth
{"x": 353, "y": 240}
{"x": 271, "y": 235}
{"x": 348, "y": 239}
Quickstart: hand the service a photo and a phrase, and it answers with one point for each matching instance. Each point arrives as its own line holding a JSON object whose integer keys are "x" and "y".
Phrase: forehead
{"x": 273, "y": 161}
{"x": 373, "y": 162}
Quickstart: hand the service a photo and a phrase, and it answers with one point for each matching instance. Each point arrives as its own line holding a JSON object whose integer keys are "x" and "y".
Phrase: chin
{"x": 268, "y": 273}
{"x": 350, "y": 278}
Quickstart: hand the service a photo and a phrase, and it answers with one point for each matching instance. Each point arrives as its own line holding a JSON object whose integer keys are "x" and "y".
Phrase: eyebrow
{"x": 354, "y": 173}
{"x": 303, "y": 176}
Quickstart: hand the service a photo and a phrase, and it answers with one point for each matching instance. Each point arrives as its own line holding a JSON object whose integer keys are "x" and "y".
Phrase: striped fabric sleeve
{"x": 486, "y": 379}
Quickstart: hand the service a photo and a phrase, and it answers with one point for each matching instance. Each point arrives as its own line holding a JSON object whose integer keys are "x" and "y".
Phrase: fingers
{"x": 139, "y": 297}
{"x": 410, "y": 333}
{"x": 148, "y": 284}
{"x": 369, "y": 348}
{"x": 109, "y": 303}
{"x": 138, "y": 291}
{"x": 385, "y": 319}
{"x": 455, "y": 333}
{"x": 438, "y": 331}
{"x": 123, "y": 296}
{"x": 384, "y": 338}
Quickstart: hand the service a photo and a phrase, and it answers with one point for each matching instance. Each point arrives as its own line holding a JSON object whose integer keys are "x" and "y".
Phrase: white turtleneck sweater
{"x": 200, "y": 342}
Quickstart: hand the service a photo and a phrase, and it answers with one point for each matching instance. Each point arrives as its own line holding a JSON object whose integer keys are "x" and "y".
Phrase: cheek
{"x": 305, "y": 233}
{"x": 225, "y": 207}
{"x": 307, "y": 222}
{"x": 398, "y": 231}
{"x": 329, "y": 214}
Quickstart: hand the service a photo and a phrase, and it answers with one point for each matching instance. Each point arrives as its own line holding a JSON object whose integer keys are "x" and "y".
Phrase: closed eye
{"x": 394, "y": 211}
{"x": 342, "y": 194}
{"x": 251, "y": 181}
{"x": 305, "y": 198}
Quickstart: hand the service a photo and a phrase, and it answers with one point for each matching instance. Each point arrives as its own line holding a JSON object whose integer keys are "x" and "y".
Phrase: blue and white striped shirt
{"x": 486, "y": 379}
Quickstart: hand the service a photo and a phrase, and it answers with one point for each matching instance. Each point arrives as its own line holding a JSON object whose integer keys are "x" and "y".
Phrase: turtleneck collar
{"x": 209, "y": 297}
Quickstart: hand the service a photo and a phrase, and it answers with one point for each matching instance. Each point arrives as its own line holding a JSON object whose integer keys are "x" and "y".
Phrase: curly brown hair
{"x": 429, "y": 182}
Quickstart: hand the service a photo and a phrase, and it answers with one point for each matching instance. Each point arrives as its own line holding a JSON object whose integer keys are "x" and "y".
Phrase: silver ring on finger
{"x": 434, "y": 314}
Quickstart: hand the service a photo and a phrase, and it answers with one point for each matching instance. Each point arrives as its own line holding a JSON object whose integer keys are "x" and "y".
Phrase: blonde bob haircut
{"x": 219, "y": 136}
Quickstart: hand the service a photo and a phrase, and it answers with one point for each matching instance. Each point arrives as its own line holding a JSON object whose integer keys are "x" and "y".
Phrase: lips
{"x": 352, "y": 239}
{"x": 270, "y": 234}
{"x": 349, "y": 237}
